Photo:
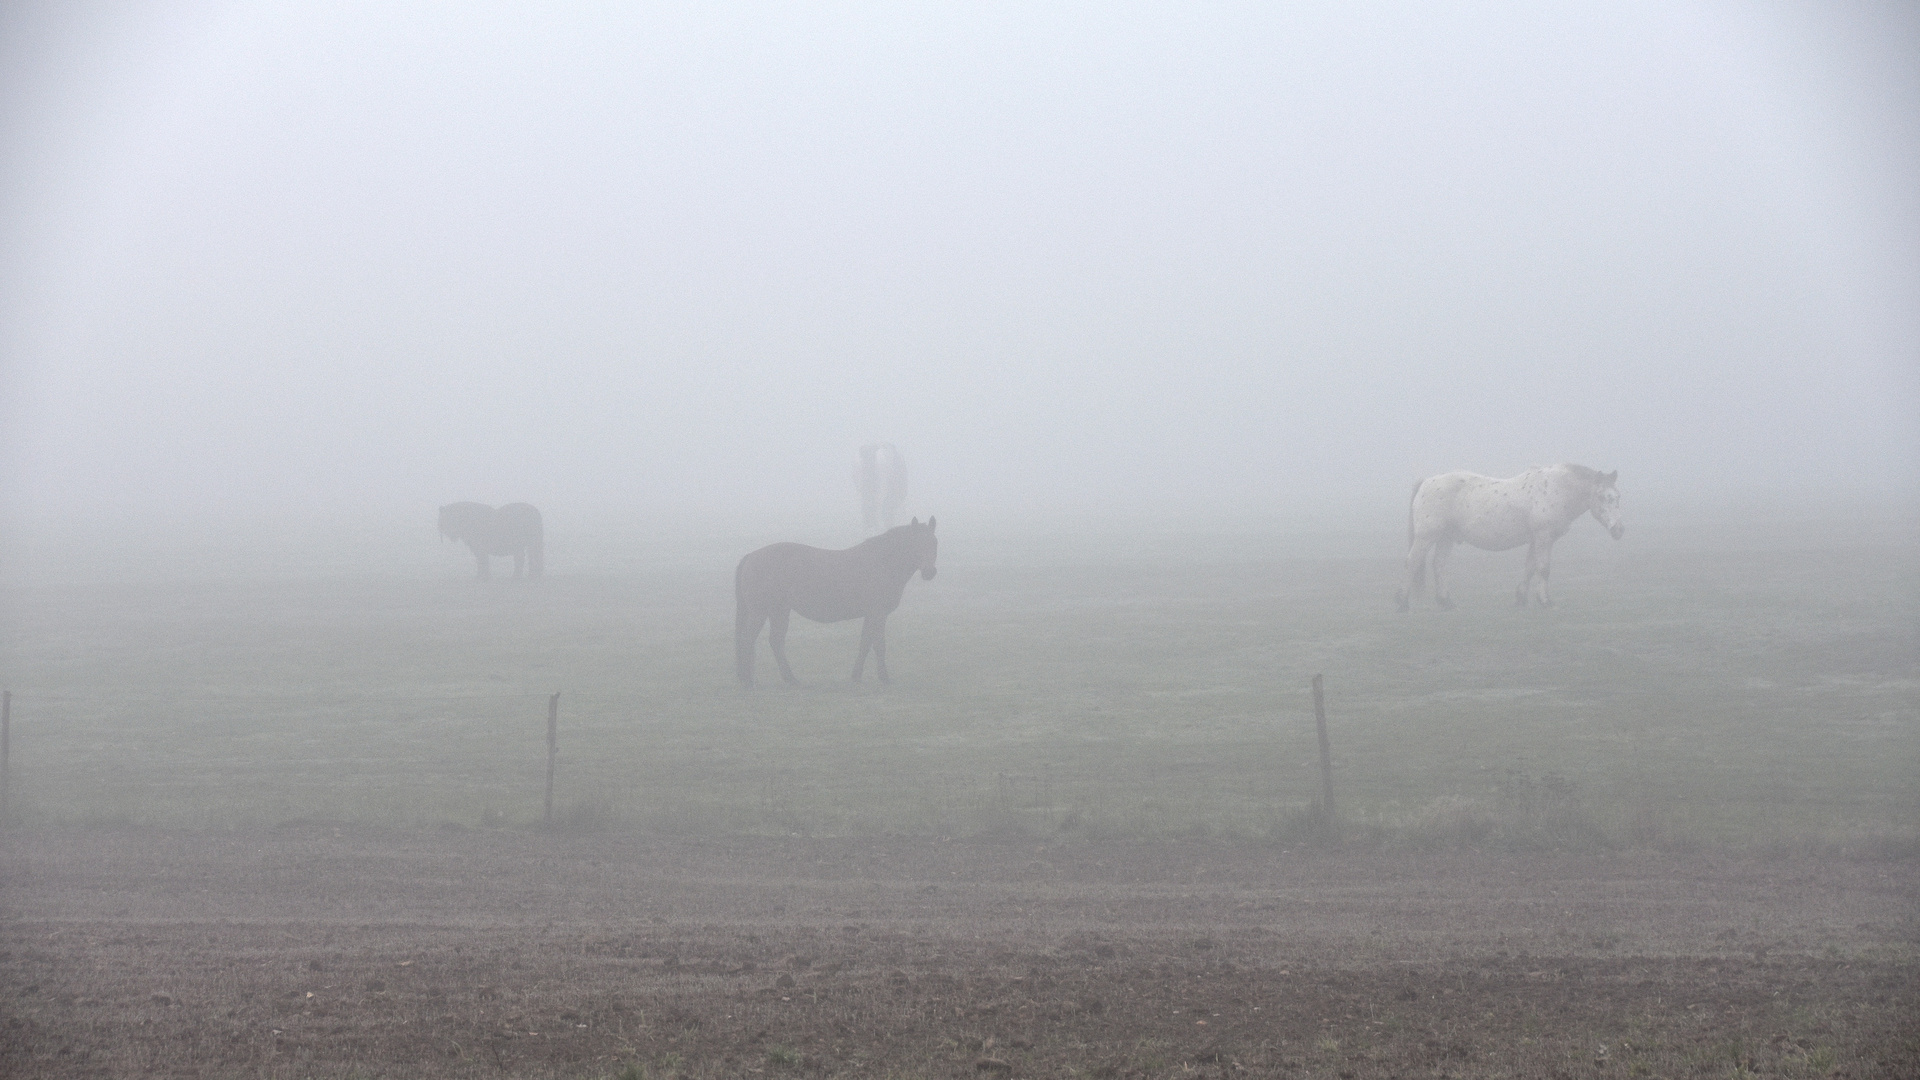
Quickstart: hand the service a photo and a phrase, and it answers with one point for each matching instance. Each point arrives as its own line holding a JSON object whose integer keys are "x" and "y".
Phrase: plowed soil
{"x": 314, "y": 950}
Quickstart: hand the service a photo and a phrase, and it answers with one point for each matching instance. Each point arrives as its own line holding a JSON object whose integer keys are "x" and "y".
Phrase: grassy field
{"x": 1678, "y": 695}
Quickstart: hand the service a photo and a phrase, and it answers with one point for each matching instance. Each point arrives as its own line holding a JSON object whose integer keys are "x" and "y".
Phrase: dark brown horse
{"x": 865, "y": 581}
{"x": 514, "y": 530}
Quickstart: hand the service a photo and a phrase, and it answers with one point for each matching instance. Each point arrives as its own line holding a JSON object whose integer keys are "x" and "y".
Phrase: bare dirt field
{"x": 331, "y": 951}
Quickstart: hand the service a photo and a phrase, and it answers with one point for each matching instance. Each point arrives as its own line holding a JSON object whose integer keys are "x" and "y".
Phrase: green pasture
{"x": 1676, "y": 696}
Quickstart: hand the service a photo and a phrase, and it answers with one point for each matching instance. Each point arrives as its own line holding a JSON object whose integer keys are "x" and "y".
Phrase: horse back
{"x": 1466, "y": 506}
{"x": 519, "y": 520}
{"x": 822, "y": 585}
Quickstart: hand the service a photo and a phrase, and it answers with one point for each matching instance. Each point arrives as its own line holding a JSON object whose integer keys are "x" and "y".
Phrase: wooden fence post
{"x": 1326, "y": 753}
{"x": 6, "y": 739}
{"x": 553, "y": 749}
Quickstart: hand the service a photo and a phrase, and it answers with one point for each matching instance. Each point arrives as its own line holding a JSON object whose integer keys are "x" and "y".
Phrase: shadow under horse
{"x": 862, "y": 582}
{"x": 514, "y": 529}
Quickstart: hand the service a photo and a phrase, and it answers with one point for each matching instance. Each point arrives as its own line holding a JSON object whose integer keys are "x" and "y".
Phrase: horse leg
{"x": 486, "y": 564}
{"x": 1525, "y": 592}
{"x": 777, "y": 637}
{"x": 1442, "y": 596}
{"x": 866, "y": 643}
{"x": 1416, "y": 573}
{"x": 519, "y": 565}
{"x": 880, "y": 649}
{"x": 1546, "y": 568}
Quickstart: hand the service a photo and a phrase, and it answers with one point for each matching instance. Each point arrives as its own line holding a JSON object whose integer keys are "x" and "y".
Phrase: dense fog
{"x": 659, "y": 267}
{"x": 1129, "y": 769}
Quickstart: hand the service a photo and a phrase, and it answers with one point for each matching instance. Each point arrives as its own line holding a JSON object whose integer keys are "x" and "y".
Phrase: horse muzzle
{"x": 927, "y": 572}
{"x": 1618, "y": 531}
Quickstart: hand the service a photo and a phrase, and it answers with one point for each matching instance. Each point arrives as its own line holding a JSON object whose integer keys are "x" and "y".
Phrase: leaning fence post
{"x": 553, "y": 749}
{"x": 6, "y": 739}
{"x": 1326, "y": 754}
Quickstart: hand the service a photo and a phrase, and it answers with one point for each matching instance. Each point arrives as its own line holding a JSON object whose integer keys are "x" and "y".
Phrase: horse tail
{"x": 1411, "y": 499}
{"x": 746, "y": 631}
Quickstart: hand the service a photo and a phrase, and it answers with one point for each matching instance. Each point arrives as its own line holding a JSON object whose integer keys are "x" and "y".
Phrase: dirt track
{"x": 316, "y": 951}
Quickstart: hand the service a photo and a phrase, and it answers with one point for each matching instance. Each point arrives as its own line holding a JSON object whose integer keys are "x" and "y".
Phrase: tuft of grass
{"x": 590, "y": 814}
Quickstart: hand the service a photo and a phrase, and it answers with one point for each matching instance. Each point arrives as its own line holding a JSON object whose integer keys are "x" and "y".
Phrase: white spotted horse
{"x": 1534, "y": 508}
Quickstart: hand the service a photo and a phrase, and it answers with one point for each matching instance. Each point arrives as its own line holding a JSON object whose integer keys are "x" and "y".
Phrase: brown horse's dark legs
{"x": 777, "y": 637}
{"x": 486, "y": 565}
{"x": 866, "y": 643}
{"x": 873, "y": 638}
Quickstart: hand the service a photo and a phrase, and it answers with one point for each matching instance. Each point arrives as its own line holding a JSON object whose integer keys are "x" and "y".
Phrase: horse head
{"x": 1605, "y": 503}
{"x": 927, "y": 546}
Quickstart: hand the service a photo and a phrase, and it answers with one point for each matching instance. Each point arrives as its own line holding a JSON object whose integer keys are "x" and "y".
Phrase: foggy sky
{"x": 669, "y": 261}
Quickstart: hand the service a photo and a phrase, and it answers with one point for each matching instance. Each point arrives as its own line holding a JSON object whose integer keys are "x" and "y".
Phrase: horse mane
{"x": 895, "y": 540}
{"x": 893, "y": 537}
{"x": 1590, "y": 476}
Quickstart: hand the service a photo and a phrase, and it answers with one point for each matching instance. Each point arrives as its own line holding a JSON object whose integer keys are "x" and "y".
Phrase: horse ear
{"x": 930, "y": 522}
{"x": 916, "y": 521}
{"x": 1613, "y": 476}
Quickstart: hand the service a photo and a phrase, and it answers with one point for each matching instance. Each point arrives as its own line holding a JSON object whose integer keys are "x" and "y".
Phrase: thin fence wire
{"x": 483, "y": 760}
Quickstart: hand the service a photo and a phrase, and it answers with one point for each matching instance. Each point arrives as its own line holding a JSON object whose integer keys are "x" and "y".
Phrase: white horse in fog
{"x": 881, "y": 477}
{"x": 1534, "y": 508}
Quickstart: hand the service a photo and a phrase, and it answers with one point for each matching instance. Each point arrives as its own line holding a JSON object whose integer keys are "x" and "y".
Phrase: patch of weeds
{"x": 1151, "y": 1055}
{"x": 1299, "y": 825}
{"x": 633, "y": 1071}
{"x": 785, "y": 1058}
{"x": 1452, "y": 821}
{"x": 592, "y": 814}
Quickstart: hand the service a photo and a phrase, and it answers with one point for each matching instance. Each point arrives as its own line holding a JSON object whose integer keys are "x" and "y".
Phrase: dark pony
{"x": 514, "y": 530}
{"x": 864, "y": 581}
